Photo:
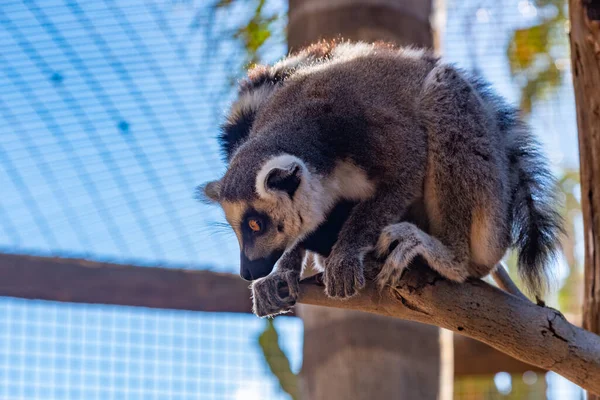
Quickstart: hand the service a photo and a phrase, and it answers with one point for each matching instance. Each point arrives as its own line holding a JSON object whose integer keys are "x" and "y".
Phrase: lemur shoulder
{"x": 332, "y": 149}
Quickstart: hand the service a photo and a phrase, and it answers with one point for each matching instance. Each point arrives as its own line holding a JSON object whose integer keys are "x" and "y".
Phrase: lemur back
{"x": 333, "y": 149}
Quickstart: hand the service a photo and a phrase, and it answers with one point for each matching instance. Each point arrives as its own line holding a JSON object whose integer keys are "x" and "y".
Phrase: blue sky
{"x": 108, "y": 117}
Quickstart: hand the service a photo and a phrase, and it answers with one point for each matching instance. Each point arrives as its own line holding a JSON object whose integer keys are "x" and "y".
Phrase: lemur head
{"x": 271, "y": 203}
{"x": 270, "y": 199}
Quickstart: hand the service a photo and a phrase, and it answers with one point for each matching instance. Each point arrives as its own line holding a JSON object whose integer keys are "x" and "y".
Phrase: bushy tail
{"x": 536, "y": 226}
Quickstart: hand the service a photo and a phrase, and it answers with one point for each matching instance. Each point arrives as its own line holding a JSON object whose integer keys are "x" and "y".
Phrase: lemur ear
{"x": 285, "y": 179}
{"x": 210, "y": 192}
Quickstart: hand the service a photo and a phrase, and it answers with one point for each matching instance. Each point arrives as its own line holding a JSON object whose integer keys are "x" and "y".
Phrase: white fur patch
{"x": 349, "y": 51}
{"x": 315, "y": 196}
{"x": 349, "y": 182}
{"x": 342, "y": 53}
{"x": 283, "y": 161}
{"x": 318, "y": 262}
{"x": 291, "y": 62}
{"x": 413, "y": 52}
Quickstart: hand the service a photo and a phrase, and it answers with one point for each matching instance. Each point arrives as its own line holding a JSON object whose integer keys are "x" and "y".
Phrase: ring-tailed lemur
{"x": 346, "y": 148}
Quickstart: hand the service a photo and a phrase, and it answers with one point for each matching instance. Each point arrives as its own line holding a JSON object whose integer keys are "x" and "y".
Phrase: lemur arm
{"x": 344, "y": 272}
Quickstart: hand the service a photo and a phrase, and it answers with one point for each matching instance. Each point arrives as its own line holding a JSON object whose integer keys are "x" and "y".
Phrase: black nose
{"x": 245, "y": 274}
{"x": 259, "y": 268}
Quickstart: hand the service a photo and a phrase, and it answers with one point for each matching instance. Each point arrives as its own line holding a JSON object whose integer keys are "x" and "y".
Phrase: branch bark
{"x": 535, "y": 334}
{"x": 584, "y": 16}
{"x": 585, "y": 56}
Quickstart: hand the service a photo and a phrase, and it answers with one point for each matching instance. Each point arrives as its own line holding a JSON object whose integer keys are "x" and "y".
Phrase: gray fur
{"x": 395, "y": 130}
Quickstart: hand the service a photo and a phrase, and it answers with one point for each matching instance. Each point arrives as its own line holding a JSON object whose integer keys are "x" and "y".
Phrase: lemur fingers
{"x": 344, "y": 274}
{"x": 276, "y": 293}
{"x": 412, "y": 242}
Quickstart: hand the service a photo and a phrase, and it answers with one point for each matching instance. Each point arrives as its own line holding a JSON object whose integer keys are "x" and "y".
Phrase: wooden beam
{"x": 81, "y": 281}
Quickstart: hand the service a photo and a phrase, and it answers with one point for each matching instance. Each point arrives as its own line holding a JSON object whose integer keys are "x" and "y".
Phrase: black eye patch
{"x": 254, "y": 223}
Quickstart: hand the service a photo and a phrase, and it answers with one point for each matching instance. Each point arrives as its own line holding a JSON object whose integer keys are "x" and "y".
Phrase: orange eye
{"x": 255, "y": 225}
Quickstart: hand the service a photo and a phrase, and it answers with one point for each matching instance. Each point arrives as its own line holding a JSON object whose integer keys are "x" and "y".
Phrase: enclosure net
{"x": 109, "y": 112}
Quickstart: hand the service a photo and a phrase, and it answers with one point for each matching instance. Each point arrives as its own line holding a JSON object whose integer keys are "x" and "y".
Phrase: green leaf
{"x": 277, "y": 361}
{"x": 526, "y": 45}
{"x": 254, "y": 34}
{"x": 531, "y": 56}
{"x": 540, "y": 86}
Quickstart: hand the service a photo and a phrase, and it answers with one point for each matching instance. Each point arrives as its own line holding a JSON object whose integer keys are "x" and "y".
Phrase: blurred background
{"x": 109, "y": 113}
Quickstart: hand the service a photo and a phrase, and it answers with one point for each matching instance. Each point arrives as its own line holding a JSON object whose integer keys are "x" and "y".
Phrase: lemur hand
{"x": 344, "y": 273}
{"x": 276, "y": 293}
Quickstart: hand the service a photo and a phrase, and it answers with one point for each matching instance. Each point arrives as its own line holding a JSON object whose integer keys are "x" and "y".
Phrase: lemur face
{"x": 286, "y": 205}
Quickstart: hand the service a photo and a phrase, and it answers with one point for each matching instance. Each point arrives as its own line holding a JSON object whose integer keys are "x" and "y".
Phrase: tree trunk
{"x": 585, "y": 56}
{"x": 350, "y": 355}
{"x": 404, "y": 22}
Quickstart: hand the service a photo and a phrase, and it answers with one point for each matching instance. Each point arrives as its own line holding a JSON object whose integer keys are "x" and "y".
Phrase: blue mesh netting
{"x": 108, "y": 116}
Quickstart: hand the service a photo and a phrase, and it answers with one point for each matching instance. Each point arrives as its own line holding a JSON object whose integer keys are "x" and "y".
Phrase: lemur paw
{"x": 276, "y": 293}
{"x": 344, "y": 275}
{"x": 401, "y": 243}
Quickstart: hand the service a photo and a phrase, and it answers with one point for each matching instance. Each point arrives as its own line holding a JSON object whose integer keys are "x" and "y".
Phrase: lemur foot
{"x": 344, "y": 275}
{"x": 396, "y": 244}
{"x": 411, "y": 242}
{"x": 276, "y": 293}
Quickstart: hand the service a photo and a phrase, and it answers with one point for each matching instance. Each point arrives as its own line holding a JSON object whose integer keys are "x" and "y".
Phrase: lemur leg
{"x": 344, "y": 271}
{"x": 466, "y": 186}
{"x": 278, "y": 292}
{"x": 411, "y": 242}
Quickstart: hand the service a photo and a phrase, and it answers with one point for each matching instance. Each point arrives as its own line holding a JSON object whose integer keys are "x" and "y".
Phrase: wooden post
{"x": 349, "y": 354}
{"x": 404, "y": 22}
{"x": 585, "y": 57}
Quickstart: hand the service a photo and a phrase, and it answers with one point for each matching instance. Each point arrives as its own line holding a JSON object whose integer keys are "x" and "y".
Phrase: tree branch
{"x": 535, "y": 334}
